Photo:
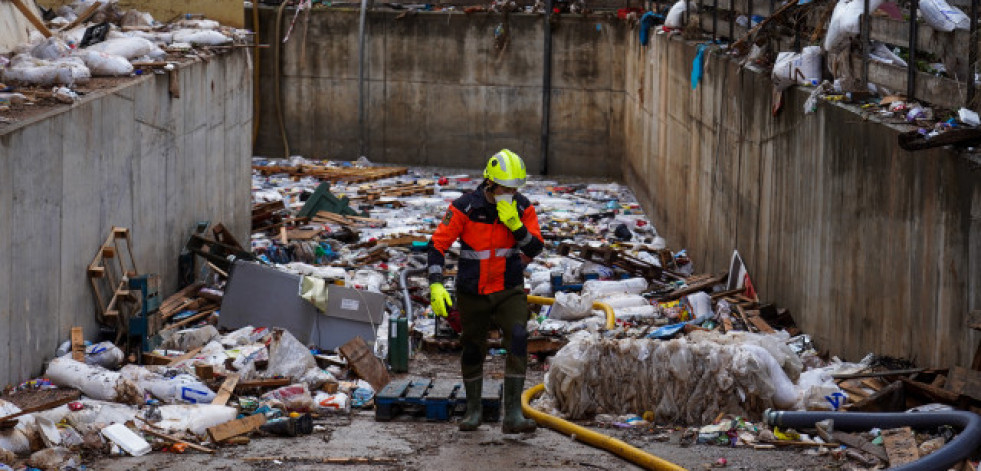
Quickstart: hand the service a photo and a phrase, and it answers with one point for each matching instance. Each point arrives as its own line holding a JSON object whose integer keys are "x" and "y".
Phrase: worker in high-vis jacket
{"x": 499, "y": 234}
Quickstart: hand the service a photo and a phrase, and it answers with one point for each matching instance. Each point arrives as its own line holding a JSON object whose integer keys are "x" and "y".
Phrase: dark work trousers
{"x": 506, "y": 309}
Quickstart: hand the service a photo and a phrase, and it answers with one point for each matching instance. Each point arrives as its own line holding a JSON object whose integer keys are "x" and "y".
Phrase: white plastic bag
{"x": 50, "y": 49}
{"x": 201, "y": 37}
{"x": 942, "y": 16}
{"x": 189, "y": 339}
{"x": 846, "y": 22}
{"x": 296, "y": 397}
{"x": 93, "y": 381}
{"x": 802, "y": 68}
{"x": 194, "y": 418}
{"x": 104, "y": 354}
{"x": 675, "y": 15}
{"x": 325, "y": 403}
{"x": 288, "y": 357}
{"x": 27, "y": 69}
{"x": 106, "y": 65}
{"x": 570, "y": 307}
{"x": 129, "y": 47}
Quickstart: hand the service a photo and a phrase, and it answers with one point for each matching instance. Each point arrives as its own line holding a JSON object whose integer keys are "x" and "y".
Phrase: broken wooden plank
{"x": 186, "y": 356}
{"x": 856, "y": 441}
{"x": 226, "y": 390}
{"x": 761, "y": 324}
{"x": 78, "y": 344}
{"x": 237, "y": 427}
{"x": 963, "y": 381}
{"x": 204, "y": 372}
{"x": 900, "y": 446}
{"x": 930, "y": 392}
{"x": 889, "y": 399}
{"x": 365, "y": 363}
{"x": 173, "y": 439}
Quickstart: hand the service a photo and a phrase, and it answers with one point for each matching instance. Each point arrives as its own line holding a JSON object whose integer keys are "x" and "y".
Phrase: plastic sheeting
{"x": 681, "y": 380}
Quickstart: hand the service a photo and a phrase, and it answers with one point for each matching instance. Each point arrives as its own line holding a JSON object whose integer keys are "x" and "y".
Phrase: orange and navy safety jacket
{"x": 490, "y": 254}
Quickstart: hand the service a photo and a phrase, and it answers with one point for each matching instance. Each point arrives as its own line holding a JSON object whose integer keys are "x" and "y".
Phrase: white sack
{"x": 129, "y": 47}
{"x": 846, "y": 22}
{"x": 201, "y": 37}
{"x": 106, "y": 65}
{"x": 93, "y": 381}
{"x": 943, "y": 17}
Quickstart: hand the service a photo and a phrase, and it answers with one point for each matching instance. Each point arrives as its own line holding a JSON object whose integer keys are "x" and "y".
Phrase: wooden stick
{"x": 78, "y": 344}
{"x": 349, "y": 460}
{"x": 33, "y": 19}
{"x": 84, "y": 16}
{"x": 50, "y": 405}
{"x": 217, "y": 270}
{"x": 174, "y": 439}
{"x": 875, "y": 374}
{"x": 800, "y": 443}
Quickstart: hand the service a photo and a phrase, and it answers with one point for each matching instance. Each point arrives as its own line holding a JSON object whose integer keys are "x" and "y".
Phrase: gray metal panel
{"x": 265, "y": 297}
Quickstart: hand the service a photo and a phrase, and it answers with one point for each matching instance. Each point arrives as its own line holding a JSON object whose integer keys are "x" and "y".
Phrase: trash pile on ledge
{"x": 100, "y": 39}
{"x": 275, "y": 336}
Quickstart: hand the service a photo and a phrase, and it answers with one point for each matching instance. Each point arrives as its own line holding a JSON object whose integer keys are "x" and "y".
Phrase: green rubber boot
{"x": 475, "y": 410}
{"x": 514, "y": 419}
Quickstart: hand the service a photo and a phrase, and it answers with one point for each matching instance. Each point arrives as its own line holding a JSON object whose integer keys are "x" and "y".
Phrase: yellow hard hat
{"x": 506, "y": 169}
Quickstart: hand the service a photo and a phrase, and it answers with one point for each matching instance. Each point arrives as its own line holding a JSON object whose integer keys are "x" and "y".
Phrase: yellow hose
{"x": 611, "y": 318}
{"x": 634, "y": 455}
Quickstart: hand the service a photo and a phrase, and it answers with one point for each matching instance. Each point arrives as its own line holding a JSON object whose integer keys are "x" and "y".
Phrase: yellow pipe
{"x": 611, "y": 318}
{"x": 634, "y": 455}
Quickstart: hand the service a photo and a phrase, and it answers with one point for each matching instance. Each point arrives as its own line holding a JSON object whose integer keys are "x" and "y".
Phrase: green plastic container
{"x": 398, "y": 345}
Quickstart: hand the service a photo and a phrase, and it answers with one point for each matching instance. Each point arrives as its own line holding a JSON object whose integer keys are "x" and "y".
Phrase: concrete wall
{"x": 440, "y": 93}
{"x": 130, "y": 157}
{"x": 873, "y": 249}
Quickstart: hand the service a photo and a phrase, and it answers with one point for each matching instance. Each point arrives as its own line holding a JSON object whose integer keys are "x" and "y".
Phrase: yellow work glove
{"x": 439, "y": 299}
{"x": 507, "y": 212}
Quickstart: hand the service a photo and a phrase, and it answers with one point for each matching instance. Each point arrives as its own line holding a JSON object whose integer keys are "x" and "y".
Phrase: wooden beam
{"x": 33, "y": 19}
{"x": 266, "y": 383}
{"x": 84, "y": 16}
{"x": 186, "y": 356}
{"x": 874, "y": 374}
{"x": 225, "y": 392}
{"x": 900, "y": 446}
{"x": 78, "y": 344}
{"x": 235, "y": 428}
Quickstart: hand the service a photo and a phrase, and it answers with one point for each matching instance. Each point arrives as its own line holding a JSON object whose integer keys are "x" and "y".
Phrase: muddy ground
{"x": 411, "y": 443}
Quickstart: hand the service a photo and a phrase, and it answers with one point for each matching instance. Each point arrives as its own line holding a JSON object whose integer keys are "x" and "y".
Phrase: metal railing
{"x": 951, "y": 47}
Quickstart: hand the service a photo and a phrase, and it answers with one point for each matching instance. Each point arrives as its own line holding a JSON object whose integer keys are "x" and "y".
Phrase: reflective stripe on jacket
{"x": 490, "y": 254}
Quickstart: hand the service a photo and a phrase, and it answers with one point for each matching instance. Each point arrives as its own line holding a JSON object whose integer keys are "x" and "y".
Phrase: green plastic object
{"x": 323, "y": 200}
{"x": 398, "y": 345}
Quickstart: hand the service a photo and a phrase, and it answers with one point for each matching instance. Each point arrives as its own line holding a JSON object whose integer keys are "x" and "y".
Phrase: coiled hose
{"x": 958, "y": 449}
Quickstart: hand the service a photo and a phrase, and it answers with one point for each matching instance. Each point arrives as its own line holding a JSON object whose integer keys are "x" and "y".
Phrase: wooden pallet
{"x": 110, "y": 280}
{"x": 334, "y": 174}
{"x": 395, "y": 191}
{"x": 437, "y": 400}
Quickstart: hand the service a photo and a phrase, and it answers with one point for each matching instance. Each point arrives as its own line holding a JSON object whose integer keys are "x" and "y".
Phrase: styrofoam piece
{"x": 126, "y": 439}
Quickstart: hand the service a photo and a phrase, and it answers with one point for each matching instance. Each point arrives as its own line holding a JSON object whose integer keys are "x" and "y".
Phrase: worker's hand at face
{"x": 439, "y": 299}
{"x": 507, "y": 212}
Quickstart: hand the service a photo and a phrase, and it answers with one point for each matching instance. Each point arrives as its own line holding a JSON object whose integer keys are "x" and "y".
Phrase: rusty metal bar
{"x": 911, "y": 68}
{"x": 866, "y": 47}
{"x": 972, "y": 56}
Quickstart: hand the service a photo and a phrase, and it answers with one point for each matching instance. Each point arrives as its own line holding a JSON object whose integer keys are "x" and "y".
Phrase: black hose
{"x": 954, "y": 452}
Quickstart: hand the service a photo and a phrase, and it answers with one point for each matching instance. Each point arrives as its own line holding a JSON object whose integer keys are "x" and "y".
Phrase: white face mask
{"x": 507, "y": 198}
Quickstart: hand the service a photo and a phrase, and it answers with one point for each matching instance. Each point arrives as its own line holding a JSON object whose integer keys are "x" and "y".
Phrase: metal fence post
{"x": 972, "y": 56}
{"x": 715, "y": 20}
{"x": 911, "y": 67}
{"x": 866, "y": 47}
{"x": 732, "y": 20}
